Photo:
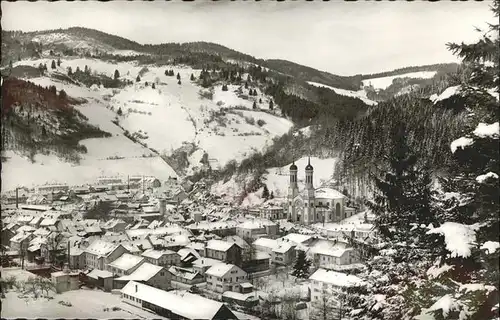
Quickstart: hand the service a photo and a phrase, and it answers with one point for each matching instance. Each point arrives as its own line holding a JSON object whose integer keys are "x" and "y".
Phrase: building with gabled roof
{"x": 147, "y": 273}
{"x": 224, "y": 277}
{"x": 125, "y": 264}
{"x": 99, "y": 253}
{"x": 224, "y": 251}
{"x": 173, "y": 305}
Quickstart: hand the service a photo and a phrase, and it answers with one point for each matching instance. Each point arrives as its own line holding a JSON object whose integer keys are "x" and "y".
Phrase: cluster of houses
{"x": 158, "y": 237}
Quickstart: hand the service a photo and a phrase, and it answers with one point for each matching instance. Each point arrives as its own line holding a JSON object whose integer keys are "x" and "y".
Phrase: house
{"x": 20, "y": 242}
{"x": 185, "y": 275}
{"x": 282, "y": 252}
{"x": 298, "y": 239}
{"x": 9, "y": 231}
{"x": 65, "y": 280}
{"x": 256, "y": 229}
{"x": 201, "y": 265}
{"x": 147, "y": 273}
{"x": 223, "y": 251}
{"x": 114, "y": 225}
{"x": 188, "y": 256}
{"x": 100, "y": 278}
{"x": 224, "y": 277}
{"x": 326, "y": 253}
{"x": 49, "y": 188}
{"x": 256, "y": 261}
{"x": 99, "y": 253}
{"x": 326, "y": 284}
{"x": 162, "y": 257}
{"x": 172, "y": 305}
{"x": 272, "y": 212}
{"x": 76, "y": 258}
{"x": 125, "y": 264}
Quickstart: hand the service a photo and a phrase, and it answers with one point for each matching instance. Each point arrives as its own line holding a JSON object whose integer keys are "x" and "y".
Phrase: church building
{"x": 314, "y": 205}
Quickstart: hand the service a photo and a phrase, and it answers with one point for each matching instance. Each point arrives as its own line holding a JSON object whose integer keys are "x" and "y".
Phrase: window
{"x": 162, "y": 273}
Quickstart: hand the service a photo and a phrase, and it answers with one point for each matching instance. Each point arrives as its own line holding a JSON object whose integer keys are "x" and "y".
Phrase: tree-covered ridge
{"x": 439, "y": 67}
{"x": 41, "y": 120}
{"x": 439, "y": 258}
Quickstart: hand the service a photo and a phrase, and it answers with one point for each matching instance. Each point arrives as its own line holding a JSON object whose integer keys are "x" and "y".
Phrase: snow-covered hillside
{"x": 277, "y": 180}
{"x": 163, "y": 120}
{"x": 360, "y": 94}
{"x": 385, "y": 82}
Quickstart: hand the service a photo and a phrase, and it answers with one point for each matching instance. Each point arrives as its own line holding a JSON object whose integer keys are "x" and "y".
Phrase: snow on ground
{"x": 360, "y": 94}
{"x": 459, "y": 238}
{"x": 490, "y": 246}
{"x": 127, "y": 53}
{"x": 85, "y": 304}
{"x": 461, "y": 142}
{"x": 166, "y": 118}
{"x": 451, "y": 91}
{"x": 490, "y": 175}
{"x": 385, "y": 82}
{"x": 19, "y": 171}
{"x": 484, "y": 130}
{"x": 277, "y": 180}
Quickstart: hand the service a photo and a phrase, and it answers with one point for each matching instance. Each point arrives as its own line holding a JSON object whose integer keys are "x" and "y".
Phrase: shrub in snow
{"x": 261, "y": 122}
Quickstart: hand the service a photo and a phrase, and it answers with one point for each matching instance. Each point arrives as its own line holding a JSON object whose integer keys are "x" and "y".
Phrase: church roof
{"x": 293, "y": 166}
{"x": 309, "y": 167}
{"x": 328, "y": 193}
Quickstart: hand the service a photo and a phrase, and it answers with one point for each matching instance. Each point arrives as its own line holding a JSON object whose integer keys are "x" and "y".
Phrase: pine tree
{"x": 254, "y": 106}
{"x": 86, "y": 69}
{"x": 224, "y": 87}
{"x": 45, "y": 67}
{"x": 246, "y": 85}
{"x": 138, "y": 79}
{"x": 172, "y": 73}
{"x": 119, "y": 112}
{"x": 62, "y": 94}
{"x": 260, "y": 100}
{"x": 265, "y": 193}
{"x": 146, "y": 84}
{"x": 153, "y": 86}
{"x": 192, "y": 77}
{"x": 77, "y": 71}
{"x": 51, "y": 52}
{"x": 271, "y": 105}
{"x": 53, "y": 65}
{"x": 167, "y": 73}
{"x": 301, "y": 266}
{"x": 470, "y": 198}
{"x": 179, "y": 82}
{"x": 178, "y": 76}
{"x": 58, "y": 62}
{"x": 70, "y": 71}
{"x": 117, "y": 75}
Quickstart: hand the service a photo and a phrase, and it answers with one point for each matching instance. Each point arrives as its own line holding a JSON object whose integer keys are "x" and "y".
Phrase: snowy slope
{"x": 277, "y": 180}
{"x": 360, "y": 94}
{"x": 165, "y": 118}
{"x": 385, "y": 82}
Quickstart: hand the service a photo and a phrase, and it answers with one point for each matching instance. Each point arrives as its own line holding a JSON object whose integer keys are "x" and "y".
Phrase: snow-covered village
{"x": 157, "y": 172}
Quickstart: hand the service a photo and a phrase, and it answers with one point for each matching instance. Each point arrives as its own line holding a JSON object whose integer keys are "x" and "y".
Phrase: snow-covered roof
{"x": 328, "y": 193}
{"x": 266, "y": 242}
{"x": 145, "y": 272}
{"x": 186, "y": 305}
{"x": 184, "y": 252}
{"x": 283, "y": 247}
{"x": 201, "y": 262}
{"x": 220, "y": 269}
{"x": 296, "y": 238}
{"x": 100, "y": 248}
{"x": 338, "y": 279}
{"x": 219, "y": 245}
{"x": 330, "y": 248}
{"x": 183, "y": 272}
{"x": 126, "y": 261}
{"x": 96, "y": 273}
{"x": 157, "y": 254}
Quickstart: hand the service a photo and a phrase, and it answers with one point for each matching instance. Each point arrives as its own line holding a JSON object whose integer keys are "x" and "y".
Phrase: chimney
{"x": 136, "y": 288}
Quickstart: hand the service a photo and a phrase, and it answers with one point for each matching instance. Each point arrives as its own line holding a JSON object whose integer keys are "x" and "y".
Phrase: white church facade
{"x": 314, "y": 205}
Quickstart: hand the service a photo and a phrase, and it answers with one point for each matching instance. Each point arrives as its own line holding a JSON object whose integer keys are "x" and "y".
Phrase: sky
{"x": 344, "y": 38}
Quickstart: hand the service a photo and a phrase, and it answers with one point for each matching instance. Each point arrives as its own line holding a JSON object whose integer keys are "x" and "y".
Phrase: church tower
{"x": 309, "y": 208}
{"x": 293, "y": 191}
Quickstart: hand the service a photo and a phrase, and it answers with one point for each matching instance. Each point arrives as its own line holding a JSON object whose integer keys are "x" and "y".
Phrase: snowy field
{"x": 360, "y": 94}
{"x": 85, "y": 304}
{"x": 385, "y": 82}
{"x": 165, "y": 118}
